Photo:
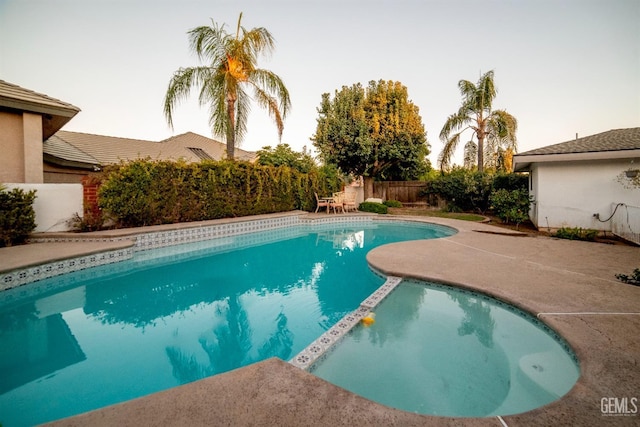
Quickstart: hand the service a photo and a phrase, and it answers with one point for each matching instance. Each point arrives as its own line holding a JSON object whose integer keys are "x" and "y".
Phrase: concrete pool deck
{"x": 569, "y": 285}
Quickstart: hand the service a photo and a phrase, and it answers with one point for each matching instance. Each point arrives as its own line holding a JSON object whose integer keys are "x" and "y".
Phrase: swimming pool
{"x": 439, "y": 350}
{"x": 170, "y": 316}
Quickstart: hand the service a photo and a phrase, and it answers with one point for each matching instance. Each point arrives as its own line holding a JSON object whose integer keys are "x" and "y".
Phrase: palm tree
{"x": 495, "y": 127}
{"x": 231, "y": 69}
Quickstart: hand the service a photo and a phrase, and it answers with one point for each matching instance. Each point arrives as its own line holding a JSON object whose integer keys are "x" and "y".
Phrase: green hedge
{"x": 470, "y": 191}
{"x": 392, "y": 204}
{"x": 147, "y": 192}
{"x": 17, "y": 217}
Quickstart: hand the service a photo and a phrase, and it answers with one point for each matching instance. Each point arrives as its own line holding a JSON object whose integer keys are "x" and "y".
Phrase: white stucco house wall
{"x": 581, "y": 183}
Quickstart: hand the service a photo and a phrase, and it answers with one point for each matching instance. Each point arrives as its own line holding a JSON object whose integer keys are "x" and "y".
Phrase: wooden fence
{"x": 407, "y": 192}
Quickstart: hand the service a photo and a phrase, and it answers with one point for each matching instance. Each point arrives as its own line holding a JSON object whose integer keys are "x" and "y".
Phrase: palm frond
{"x": 455, "y": 122}
{"x": 444, "y": 159}
{"x": 502, "y": 128}
{"x": 209, "y": 43}
{"x": 216, "y": 94}
{"x": 258, "y": 41}
{"x": 467, "y": 90}
{"x": 486, "y": 91}
{"x": 179, "y": 89}
{"x": 265, "y": 100}
{"x": 243, "y": 108}
{"x": 272, "y": 83}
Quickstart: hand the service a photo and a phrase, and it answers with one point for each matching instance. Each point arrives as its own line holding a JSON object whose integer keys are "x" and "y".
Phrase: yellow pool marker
{"x": 369, "y": 319}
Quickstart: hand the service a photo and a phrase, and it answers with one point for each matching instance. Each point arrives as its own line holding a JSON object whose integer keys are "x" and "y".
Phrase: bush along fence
{"x": 147, "y": 192}
{"x": 470, "y": 191}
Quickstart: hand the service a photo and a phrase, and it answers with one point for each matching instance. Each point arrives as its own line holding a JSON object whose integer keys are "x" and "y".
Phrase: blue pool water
{"x": 444, "y": 351}
{"x": 175, "y": 315}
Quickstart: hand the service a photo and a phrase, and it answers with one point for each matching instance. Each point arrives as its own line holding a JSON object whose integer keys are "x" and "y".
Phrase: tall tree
{"x": 494, "y": 130}
{"x": 375, "y": 132}
{"x": 283, "y": 155}
{"x": 231, "y": 69}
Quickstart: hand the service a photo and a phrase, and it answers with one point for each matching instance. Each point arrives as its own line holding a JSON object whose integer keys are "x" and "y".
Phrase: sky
{"x": 562, "y": 67}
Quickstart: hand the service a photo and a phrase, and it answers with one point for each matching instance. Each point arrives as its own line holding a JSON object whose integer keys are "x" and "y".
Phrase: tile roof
{"x": 104, "y": 150}
{"x": 60, "y": 149}
{"x": 13, "y": 93}
{"x": 613, "y": 140}
{"x": 55, "y": 113}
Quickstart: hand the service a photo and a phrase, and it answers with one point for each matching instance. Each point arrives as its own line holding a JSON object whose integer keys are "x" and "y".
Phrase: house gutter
{"x": 522, "y": 162}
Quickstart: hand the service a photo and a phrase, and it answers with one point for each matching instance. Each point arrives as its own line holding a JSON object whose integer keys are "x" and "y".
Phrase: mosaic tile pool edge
{"x": 17, "y": 278}
{"x": 322, "y": 347}
{"x": 319, "y": 349}
{"x": 159, "y": 239}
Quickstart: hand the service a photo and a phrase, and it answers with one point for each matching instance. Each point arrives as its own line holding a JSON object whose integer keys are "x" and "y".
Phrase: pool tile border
{"x": 309, "y": 358}
{"x": 144, "y": 241}
{"x": 324, "y": 345}
{"x": 15, "y": 280}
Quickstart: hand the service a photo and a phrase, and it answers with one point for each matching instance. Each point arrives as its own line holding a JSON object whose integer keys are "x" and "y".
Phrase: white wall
{"x": 568, "y": 194}
{"x": 55, "y": 204}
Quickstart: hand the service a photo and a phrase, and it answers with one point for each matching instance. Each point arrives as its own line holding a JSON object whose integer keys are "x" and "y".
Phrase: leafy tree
{"x": 494, "y": 130}
{"x": 231, "y": 69}
{"x": 283, "y": 155}
{"x": 376, "y": 132}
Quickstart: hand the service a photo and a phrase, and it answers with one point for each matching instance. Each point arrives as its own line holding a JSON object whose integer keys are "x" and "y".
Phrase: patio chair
{"x": 321, "y": 203}
{"x": 337, "y": 202}
{"x": 349, "y": 202}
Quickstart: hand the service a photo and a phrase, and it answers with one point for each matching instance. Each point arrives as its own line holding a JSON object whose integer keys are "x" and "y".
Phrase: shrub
{"x": 511, "y": 206}
{"x": 147, "y": 192}
{"x": 634, "y": 279}
{"x": 576, "y": 233}
{"x": 90, "y": 221}
{"x": 17, "y": 217}
{"x": 464, "y": 190}
{"x": 393, "y": 204}
{"x": 378, "y": 208}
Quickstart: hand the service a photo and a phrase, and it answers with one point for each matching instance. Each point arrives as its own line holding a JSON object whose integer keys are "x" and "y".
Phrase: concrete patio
{"x": 570, "y": 285}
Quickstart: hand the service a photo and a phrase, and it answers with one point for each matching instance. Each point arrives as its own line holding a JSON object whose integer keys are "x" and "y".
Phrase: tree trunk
{"x": 480, "y": 152}
{"x": 368, "y": 187}
{"x": 231, "y": 129}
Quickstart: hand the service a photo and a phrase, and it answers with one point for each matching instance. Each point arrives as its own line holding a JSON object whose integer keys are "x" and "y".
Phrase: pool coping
{"x": 539, "y": 275}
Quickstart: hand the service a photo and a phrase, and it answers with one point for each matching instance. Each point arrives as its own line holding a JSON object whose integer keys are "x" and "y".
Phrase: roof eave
{"x": 523, "y": 162}
{"x": 54, "y": 117}
{"x": 37, "y": 107}
{"x": 58, "y": 161}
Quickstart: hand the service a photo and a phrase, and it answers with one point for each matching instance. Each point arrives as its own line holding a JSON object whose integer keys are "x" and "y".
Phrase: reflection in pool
{"x": 175, "y": 315}
{"x": 439, "y": 350}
